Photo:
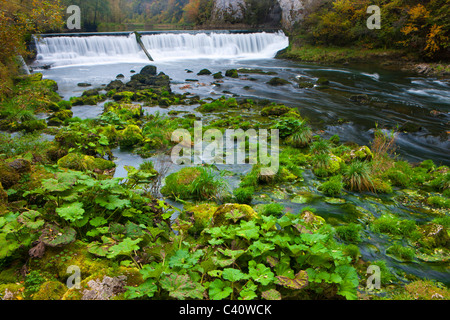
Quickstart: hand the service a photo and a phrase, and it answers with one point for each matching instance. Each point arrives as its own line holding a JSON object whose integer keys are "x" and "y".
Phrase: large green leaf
{"x": 260, "y": 273}
{"x": 147, "y": 289}
{"x": 299, "y": 282}
{"x": 233, "y": 275}
{"x": 219, "y": 290}
{"x": 184, "y": 259}
{"x": 54, "y": 236}
{"x": 181, "y": 287}
{"x": 126, "y": 247}
{"x": 71, "y": 211}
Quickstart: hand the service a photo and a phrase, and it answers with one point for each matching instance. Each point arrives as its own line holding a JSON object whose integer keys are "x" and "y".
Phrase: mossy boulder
{"x": 20, "y": 166}
{"x": 323, "y": 82}
{"x": 363, "y": 153}
{"x": 312, "y": 221}
{"x": 11, "y": 291}
{"x": 33, "y": 125}
{"x": 50, "y": 84}
{"x": 232, "y": 213}
{"x": 204, "y": 72}
{"x": 149, "y": 70}
{"x": 50, "y": 290}
{"x": 8, "y": 176}
{"x": 277, "y": 81}
{"x": 178, "y": 183}
{"x": 80, "y": 162}
{"x": 63, "y": 115}
{"x": 3, "y": 195}
{"x": 275, "y": 110}
{"x": 199, "y": 214}
{"x": 218, "y": 75}
{"x": 434, "y": 236}
{"x": 232, "y": 73}
{"x": 130, "y": 137}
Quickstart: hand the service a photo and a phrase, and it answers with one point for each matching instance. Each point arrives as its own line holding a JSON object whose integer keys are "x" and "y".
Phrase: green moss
{"x": 276, "y": 110}
{"x": 130, "y": 137}
{"x": 401, "y": 252}
{"x": 63, "y": 114}
{"x": 8, "y": 176}
{"x": 244, "y": 195}
{"x": 197, "y": 183}
{"x": 439, "y": 202}
{"x": 350, "y": 233}
{"x": 434, "y": 236}
{"x": 50, "y": 290}
{"x": 232, "y": 213}
{"x": 233, "y": 73}
{"x": 11, "y": 291}
{"x": 333, "y": 187}
{"x": 276, "y": 81}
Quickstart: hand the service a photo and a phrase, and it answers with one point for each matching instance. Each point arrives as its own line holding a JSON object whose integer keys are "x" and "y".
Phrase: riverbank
{"x": 386, "y": 58}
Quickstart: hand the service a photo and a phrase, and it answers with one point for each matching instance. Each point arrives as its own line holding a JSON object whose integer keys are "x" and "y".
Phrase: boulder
{"x": 233, "y": 213}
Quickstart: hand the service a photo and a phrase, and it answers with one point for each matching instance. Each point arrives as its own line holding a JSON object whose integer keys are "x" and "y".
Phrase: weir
{"x": 73, "y": 49}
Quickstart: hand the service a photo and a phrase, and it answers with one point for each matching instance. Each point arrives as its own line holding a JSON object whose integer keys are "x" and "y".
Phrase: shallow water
{"x": 400, "y": 97}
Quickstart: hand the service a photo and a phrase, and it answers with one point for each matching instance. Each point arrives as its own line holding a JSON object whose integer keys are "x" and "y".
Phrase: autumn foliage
{"x": 421, "y": 27}
{"x": 18, "y": 20}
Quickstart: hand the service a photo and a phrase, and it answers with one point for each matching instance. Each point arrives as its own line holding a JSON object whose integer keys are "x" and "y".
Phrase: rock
{"x": 218, "y": 75}
{"x": 106, "y": 289}
{"x": 20, "y": 166}
{"x": 90, "y": 93}
{"x": 311, "y": 220}
{"x": 233, "y": 213}
{"x": 276, "y": 81}
{"x": 360, "y": 98}
{"x": 115, "y": 85}
{"x": 232, "y": 73}
{"x": 8, "y": 176}
{"x": 148, "y": 71}
{"x": 323, "y": 82}
{"x": 204, "y": 72}
{"x": 434, "y": 235}
{"x": 50, "y": 290}
{"x": 120, "y": 76}
{"x": 410, "y": 127}
{"x": 84, "y": 84}
{"x": 275, "y": 110}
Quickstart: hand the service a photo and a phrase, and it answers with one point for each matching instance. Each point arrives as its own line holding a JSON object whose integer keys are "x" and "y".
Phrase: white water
{"x": 73, "y": 50}
{"x": 87, "y": 50}
{"x": 215, "y": 45}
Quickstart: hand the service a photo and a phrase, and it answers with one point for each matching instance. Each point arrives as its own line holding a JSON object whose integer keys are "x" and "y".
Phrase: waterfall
{"x": 63, "y": 50}
{"x": 215, "y": 45}
{"x": 75, "y": 50}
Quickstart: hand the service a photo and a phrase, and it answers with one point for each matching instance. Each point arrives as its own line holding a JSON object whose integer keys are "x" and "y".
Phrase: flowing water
{"x": 397, "y": 98}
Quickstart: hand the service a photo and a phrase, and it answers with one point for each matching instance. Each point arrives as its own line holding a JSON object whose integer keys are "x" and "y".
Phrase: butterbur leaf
{"x": 29, "y": 219}
{"x": 181, "y": 287}
{"x": 98, "y": 221}
{"x": 100, "y": 249}
{"x": 299, "y": 282}
{"x": 71, "y": 211}
{"x": 271, "y": 294}
{"x": 112, "y": 202}
{"x": 233, "y": 275}
{"x": 248, "y": 230}
{"x": 147, "y": 289}
{"x": 248, "y": 292}
{"x": 219, "y": 290}
{"x": 54, "y": 236}
{"x": 260, "y": 273}
{"x": 126, "y": 247}
{"x": 184, "y": 259}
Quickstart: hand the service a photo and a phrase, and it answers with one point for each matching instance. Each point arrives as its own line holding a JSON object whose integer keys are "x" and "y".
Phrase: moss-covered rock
{"x": 3, "y": 195}
{"x": 204, "y": 72}
{"x": 275, "y": 110}
{"x": 311, "y": 220}
{"x": 276, "y": 81}
{"x": 11, "y": 291}
{"x": 33, "y": 125}
{"x": 233, "y": 213}
{"x": 130, "y": 137}
{"x": 80, "y": 162}
{"x": 8, "y": 176}
{"x": 50, "y": 290}
{"x": 434, "y": 236}
{"x": 232, "y": 73}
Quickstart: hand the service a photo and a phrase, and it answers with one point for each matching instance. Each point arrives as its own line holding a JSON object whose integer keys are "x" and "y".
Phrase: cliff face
{"x": 291, "y": 11}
